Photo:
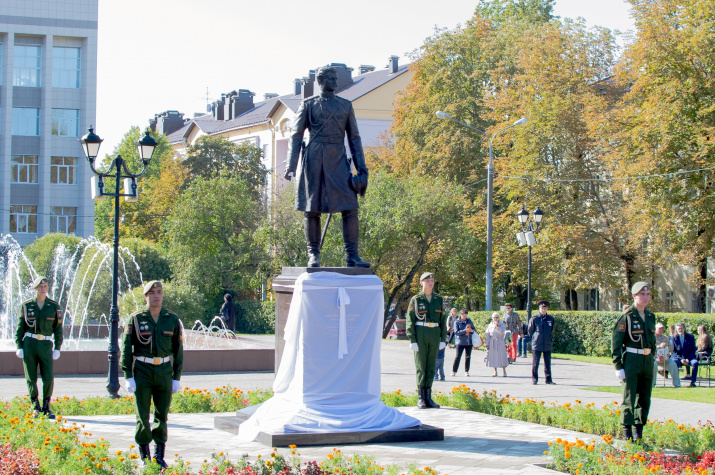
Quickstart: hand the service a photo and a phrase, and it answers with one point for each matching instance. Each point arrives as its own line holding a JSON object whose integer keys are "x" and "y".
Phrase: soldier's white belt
{"x": 427, "y": 324}
{"x": 154, "y": 361}
{"x": 638, "y": 351}
{"x": 37, "y": 337}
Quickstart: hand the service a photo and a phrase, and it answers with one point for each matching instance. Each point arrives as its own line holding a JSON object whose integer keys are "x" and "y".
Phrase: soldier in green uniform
{"x": 39, "y": 323}
{"x": 151, "y": 337}
{"x": 633, "y": 348}
{"x": 426, "y": 327}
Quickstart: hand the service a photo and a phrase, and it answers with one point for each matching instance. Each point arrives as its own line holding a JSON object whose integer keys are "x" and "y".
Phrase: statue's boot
{"x": 312, "y": 238}
{"x": 351, "y": 233}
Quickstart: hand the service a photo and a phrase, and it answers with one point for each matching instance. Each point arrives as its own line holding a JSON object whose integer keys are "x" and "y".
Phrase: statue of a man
{"x": 325, "y": 182}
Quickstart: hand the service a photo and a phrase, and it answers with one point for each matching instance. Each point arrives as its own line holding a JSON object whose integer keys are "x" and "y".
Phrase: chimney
{"x": 229, "y": 105}
{"x": 345, "y": 75}
{"x": 242, "y": 102}
{"x": 392, "y": 64}
{"x": 269, "y": 95}
{"x": 309, "y": 84}
{"x": 217, "y": 108}
{"x": 297, "y": 89}
{"x": 167, "y": 122}
{"x": 366, "y": 68}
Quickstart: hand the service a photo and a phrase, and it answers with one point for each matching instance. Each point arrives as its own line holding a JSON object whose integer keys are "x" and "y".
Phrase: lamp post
{"x": 490, "y": 194}
{"x": 90, "y": 145}
{"x": 527, "y": 237}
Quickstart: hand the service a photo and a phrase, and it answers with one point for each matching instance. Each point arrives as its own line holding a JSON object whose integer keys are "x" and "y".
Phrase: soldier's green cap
{"x": 150, "y": 285}
{"x": 40, "y": 279}
{"x": 638, "y": 286}
{"x": 426, "y": 275}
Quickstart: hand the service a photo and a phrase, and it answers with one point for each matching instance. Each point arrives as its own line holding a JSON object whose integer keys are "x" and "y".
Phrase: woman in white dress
{"x": 496, "y": 345}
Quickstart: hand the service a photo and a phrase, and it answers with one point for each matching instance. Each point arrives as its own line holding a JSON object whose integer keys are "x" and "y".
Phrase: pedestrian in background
{"x": 513, "y": 324}
{"x": 494, "y": 337}
{"x": 463, "y": 329}
{"x": 524, "y": 340}
{"x": 541, "y": 331}
{"x": 228, "y": 313}
{"x": 439, "y": 366}
{"x": 39, "y": 323}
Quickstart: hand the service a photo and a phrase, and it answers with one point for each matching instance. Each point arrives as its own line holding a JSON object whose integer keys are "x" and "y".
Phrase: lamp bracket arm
{"x": 129, "y": 174}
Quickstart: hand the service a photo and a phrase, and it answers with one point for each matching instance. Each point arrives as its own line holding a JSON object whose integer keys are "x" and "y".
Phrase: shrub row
{"x": 588, "y": 333}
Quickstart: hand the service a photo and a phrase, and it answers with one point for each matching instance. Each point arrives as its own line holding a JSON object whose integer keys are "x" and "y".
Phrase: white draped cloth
{"x": 329, "y": 375}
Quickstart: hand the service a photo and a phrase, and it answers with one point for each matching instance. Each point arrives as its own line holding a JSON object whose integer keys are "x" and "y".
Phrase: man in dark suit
{"x": 684, "y": 351}
{"x": 325, "y": 181}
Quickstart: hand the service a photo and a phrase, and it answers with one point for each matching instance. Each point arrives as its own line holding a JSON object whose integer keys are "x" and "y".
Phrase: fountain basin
{"x": 237, "y": 354}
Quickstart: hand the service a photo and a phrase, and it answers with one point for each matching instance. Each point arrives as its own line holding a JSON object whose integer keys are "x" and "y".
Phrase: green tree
{"x": 665, "y": 125}
{"x": 43, "y": 253}
{"x": 212, "y": 235}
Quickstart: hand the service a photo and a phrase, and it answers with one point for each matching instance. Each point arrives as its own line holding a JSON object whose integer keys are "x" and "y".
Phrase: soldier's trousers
{"x": 153, "y": 383}
{"x": 38, "y": 352}
{"x": 426, "y": 357}
{"x": 637, "y": 388}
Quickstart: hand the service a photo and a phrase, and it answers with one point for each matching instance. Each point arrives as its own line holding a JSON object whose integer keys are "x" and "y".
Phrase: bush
{"x": 256, "y": 317}
{"x": 589, "y": 333}
{"x": 182, "y": 299}
{"x": 152, "y": 259}
{"x": 42, "y": 252}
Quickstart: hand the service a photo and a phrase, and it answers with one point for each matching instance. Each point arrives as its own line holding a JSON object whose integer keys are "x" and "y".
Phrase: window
{"x": 591, "y": 299}
{"x": 26, "y": 66}
{"x": 63, "y": 170}
{"x": 65, "y": 67}
{"x": 65, "y": 122}
{"x": 25, "y": 121}
{"x": 23, "y": 169}
{"x": 0, "y": 63}
{"x": 63, "y": 219}
{"x": 669, "y": 301}
{"x": 695, "y": 302}
{"x": 23, "y": 219}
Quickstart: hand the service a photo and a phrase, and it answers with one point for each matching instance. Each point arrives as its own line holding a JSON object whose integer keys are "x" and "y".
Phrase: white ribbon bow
{"x": 343, "y": 300}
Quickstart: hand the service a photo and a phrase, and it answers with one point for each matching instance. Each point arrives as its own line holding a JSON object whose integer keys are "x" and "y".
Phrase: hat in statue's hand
{"x": 359, "y": 183}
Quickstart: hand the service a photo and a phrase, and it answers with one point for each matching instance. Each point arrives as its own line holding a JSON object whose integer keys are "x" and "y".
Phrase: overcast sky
{"x": 158, "y": 55}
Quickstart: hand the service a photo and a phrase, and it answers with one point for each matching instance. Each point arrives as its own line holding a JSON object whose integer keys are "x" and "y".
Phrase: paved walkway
{"x": 474, "y": 443}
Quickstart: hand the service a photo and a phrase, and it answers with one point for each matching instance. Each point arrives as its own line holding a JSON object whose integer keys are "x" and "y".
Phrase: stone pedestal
{"x": 283, "y": 286}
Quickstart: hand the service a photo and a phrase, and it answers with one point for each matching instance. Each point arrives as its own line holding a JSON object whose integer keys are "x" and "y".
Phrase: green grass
{"x": 584, "y": 359}
{"x": 699, "y": 394}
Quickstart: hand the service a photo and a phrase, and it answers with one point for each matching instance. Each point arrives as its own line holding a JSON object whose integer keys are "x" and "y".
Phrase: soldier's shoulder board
{"x": 137, "y": 313}
{"x": 53, "y": 302}
{"x": 28, "y": 301}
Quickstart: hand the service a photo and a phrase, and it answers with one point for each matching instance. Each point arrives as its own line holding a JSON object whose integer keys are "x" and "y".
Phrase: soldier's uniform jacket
{"x": 429, "y": 312}
{"x": 143, "y": 337}
{"x": 324, "y": 179}
{"x": 631, "y": 331}
{"x": 46, "y": 321}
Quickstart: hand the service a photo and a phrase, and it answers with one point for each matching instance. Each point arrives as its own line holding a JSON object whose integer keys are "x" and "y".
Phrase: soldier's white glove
{"x": 414, "y": 347}
{"x": 175, "y": 386}
{"x": 55, "y": 354}
{"x": 19, "y": 353}
{"x": 442, "y": 345}
{"x": 621, "y": 374}
{"x": 130, "y": 385}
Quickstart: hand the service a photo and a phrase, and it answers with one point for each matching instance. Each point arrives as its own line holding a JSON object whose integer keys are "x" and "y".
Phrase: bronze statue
{"x": 325, "y": 182}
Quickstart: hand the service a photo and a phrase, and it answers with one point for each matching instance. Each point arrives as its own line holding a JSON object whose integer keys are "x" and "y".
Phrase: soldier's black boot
{"x": 421, "y": 404}
{"x": 159, "y": 455}
{"x": 46, "y": 408}
{"x": 428, "y": 399}
{"x": 638, "y": 433}
{"x": 351, "y": 235}
{"x": 312, "y": 238}
{"x": 628, "y": 433}
{"x": 36, "y": 409}
{"x": 144, "y": 453}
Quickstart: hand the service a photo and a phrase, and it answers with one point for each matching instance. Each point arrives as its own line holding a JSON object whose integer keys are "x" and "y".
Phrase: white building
{"x": 48, "y": 84}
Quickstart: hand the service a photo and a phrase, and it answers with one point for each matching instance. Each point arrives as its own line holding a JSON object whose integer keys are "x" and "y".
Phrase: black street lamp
{"x": 527, "y": 237}
{"x": 90, "y": 145}
{"x": 490, "y": 194}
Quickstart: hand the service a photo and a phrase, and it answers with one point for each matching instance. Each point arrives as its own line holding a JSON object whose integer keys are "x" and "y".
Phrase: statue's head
{"x": 323, "y": 73}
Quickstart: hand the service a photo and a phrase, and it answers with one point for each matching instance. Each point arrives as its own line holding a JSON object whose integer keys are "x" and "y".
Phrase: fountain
{"x": 81, "y": 281}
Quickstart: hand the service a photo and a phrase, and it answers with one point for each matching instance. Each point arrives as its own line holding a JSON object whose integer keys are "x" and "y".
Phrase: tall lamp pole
{"x": 490, "y": 194}
{"x": 527, "y": 237}
{"x": 90, "y": 145}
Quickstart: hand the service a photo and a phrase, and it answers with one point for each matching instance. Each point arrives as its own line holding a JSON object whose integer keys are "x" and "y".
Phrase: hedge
{"x": 589, "y": 333}
{"x": 256, "y": 317}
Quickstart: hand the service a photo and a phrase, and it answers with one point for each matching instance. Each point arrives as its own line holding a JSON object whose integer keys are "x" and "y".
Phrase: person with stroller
{"x": 495, "y": 340}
